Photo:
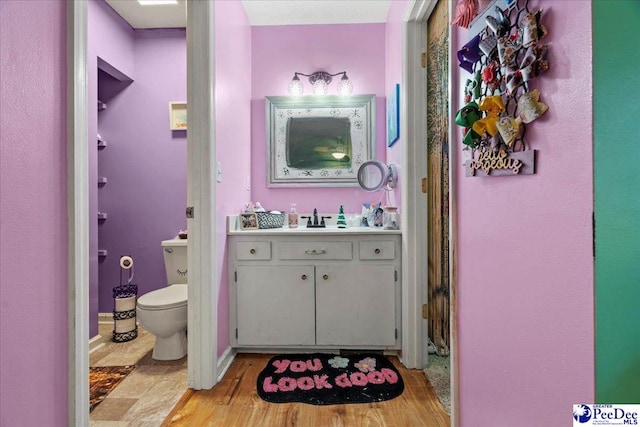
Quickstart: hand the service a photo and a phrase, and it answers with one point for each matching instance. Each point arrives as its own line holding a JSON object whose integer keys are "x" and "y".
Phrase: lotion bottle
{"x": 293, "y": 217}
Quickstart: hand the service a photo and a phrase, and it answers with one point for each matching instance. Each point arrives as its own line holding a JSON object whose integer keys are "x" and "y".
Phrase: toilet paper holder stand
{"x": 125, "y": 327}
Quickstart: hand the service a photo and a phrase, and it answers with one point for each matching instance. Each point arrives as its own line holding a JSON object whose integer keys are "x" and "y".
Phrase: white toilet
{"x": 163, "y": 312}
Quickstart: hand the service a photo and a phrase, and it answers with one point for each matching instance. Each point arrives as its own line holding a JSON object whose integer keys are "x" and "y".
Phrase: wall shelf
{"x": 178, "y": 115}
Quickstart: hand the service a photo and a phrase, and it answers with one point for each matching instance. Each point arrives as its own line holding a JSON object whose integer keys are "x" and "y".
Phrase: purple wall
{"x": 233, "y": 136}
{"x": 110, "y": 38}
{"x": 525, "y": 263}
{"x": 33, "y": 197}
{"x": 145, "y": 164}
{"x": 279, "y": 51}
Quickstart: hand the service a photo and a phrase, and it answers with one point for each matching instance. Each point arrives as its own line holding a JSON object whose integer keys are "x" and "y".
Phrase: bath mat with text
{"x": 102, "y": 381}
{"x": 329, "y": 379}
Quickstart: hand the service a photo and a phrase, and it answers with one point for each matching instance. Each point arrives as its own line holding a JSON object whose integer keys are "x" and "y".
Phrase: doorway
{"x": 202, "y": 357}
{"x": 201, "y": 199}
{"x": 420, "y": 170}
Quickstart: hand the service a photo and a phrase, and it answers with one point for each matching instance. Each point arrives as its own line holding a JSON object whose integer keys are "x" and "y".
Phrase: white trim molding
{"x": 225, "y": 361}
{"x": 414, "y": 165}
{"x": 453, "y": 237}
{"x": 201, "y": 158}
{"x": 78, "y": 216}
{"x": 96, "y": 343}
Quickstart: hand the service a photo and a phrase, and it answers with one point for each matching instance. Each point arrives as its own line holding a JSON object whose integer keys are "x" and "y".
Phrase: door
{"x": 355, "y": 305}
{"x": 438, "y": 176}
{"x": 288, "y": 318}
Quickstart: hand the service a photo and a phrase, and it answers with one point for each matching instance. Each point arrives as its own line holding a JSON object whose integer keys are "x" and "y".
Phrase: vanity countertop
{"x": 330, "y": 230}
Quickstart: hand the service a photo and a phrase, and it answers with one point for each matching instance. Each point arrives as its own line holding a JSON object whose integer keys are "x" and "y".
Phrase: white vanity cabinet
{"x": 322, "y": 289}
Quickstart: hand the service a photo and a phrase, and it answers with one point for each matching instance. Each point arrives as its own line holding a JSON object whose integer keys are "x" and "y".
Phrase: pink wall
{"x": 279, "y": 51}
{"x": 33, "y": 197}
{"x": 525, "y": 266}
{"x": 233, "y": 136}
{"x": 393, "y": 75}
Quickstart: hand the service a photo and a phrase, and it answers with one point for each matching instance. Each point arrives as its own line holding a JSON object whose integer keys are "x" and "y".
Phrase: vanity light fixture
{"x": 320, "y": 81}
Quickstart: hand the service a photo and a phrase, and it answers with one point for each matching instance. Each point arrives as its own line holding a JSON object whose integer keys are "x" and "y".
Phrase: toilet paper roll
{"x": 125, "y": 304}
{"x": 126, "y": 325}
{"x": 126, "y": 262}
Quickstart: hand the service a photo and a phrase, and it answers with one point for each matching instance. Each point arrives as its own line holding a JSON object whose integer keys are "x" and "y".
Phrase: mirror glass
{"x": 318, "y": 142}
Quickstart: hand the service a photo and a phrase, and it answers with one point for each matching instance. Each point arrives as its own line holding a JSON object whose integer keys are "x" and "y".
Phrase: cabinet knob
{"x": 377, "y": 251}
{"x": 252, "y": 251}
{"x": 304, "y": 277}
{"x": 325, "y": 276}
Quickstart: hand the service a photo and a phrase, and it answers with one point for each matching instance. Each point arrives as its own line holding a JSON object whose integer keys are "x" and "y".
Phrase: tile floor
{"x": 147, "y": 395}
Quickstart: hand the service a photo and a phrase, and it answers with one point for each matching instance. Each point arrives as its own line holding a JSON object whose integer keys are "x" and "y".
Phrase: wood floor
{"x": 235, "y": 402}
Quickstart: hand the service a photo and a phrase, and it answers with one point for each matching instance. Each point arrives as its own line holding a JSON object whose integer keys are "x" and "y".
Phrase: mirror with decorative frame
{"x": 318, "y": 141}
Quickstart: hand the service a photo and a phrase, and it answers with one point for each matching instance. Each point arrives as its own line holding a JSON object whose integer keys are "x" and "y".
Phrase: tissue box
{"x": 270, "y": 220}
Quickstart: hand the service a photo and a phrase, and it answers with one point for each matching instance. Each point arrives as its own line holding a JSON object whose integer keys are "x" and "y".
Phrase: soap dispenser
{"x": 342, "y": 222}
{"x": 293, "y": 217}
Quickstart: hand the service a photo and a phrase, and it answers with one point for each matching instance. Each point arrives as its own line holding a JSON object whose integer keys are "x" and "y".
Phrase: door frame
{"x": 413, "y": 126}
{"x": 414, "y": 235}
{"x": 78, "y": 216}
{"x": 202, "y": 357}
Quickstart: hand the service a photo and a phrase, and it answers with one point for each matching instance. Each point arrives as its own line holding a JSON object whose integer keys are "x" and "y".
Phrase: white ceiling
{"x": 294, "y": 12}
{"x": 262, "y": 12}
{"x": 145, "y": 17}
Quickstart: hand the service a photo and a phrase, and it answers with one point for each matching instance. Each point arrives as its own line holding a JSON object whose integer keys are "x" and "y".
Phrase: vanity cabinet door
{"x": 355, "y": 305}
{"x": 275, "y": 305}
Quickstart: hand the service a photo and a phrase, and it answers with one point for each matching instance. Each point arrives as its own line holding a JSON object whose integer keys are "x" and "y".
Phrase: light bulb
{"x": 295, "y": 86}
{"x": 344, "y": 86}
{"x": 320, "y": 87}
{"x": 338, "y": 155}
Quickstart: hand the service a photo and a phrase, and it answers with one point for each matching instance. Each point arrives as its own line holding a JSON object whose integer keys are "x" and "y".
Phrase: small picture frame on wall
{"x": 248, "y": 221}
{"x": 178, "y": 115}
{"x": 393, "y": 115}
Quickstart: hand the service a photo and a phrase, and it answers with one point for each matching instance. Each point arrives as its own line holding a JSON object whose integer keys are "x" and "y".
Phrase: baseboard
{"x": 225, "y": 361}
{"x": 95, "y": 343}
{"x": 105, "y": 317}
{"x": 98, "y": 341}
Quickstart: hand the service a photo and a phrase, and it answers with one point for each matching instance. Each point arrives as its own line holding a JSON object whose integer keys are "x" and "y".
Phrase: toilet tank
{"x": 175, "y": 260}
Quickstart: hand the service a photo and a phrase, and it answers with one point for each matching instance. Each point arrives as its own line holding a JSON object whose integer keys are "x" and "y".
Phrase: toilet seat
{"x": 172, "y": 296}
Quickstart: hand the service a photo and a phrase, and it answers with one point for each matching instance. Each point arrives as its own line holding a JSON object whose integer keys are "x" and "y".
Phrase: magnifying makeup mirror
{"x": 374, "y": 175}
